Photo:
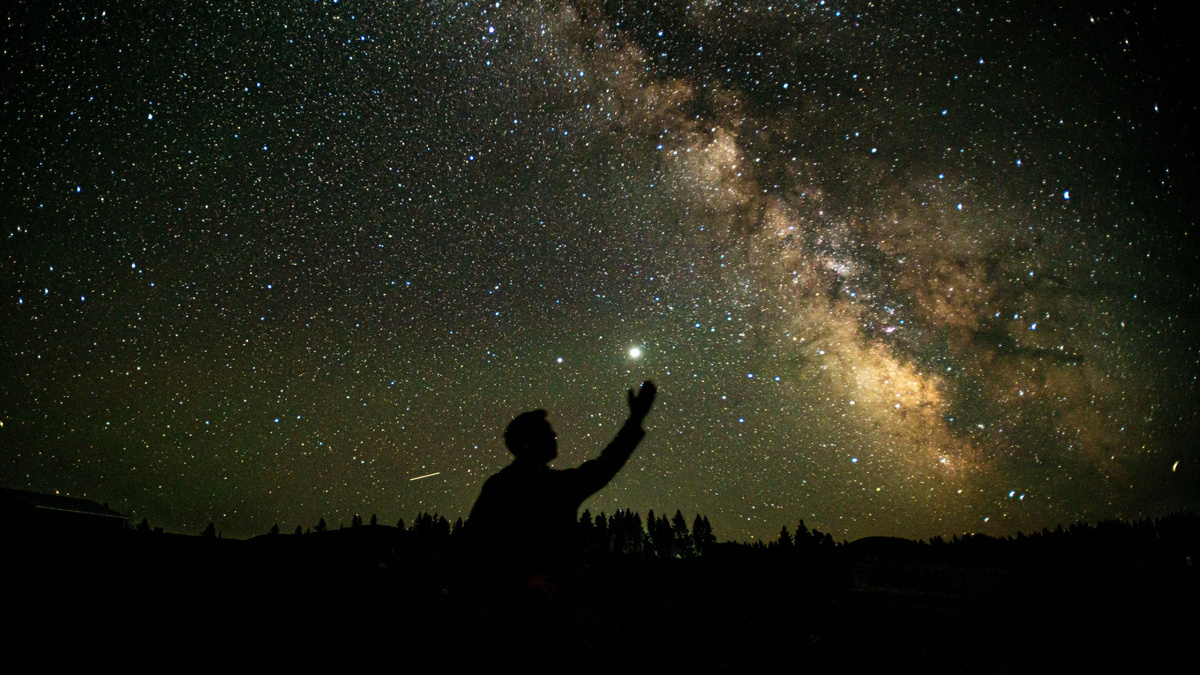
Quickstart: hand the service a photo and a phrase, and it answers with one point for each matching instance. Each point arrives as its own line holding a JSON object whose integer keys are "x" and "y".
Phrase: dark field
{"x": 980, "y": 605}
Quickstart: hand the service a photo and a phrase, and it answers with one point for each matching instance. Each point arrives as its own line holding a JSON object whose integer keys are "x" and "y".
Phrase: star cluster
{"x": 897, "y": 268}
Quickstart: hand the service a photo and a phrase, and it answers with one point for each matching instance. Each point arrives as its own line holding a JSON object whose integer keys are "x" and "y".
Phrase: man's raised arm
{"x": 595, "y": 474}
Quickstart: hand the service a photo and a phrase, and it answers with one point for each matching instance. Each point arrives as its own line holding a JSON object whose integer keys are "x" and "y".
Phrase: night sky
{"x": 897, "y": 268}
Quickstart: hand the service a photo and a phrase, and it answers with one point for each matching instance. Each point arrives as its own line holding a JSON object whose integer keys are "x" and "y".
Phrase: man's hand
{"x": 639, "y": 403}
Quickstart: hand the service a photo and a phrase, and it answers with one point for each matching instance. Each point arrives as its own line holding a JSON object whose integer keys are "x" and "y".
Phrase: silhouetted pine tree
{"x": 431, "y": 527}
{"x": 210, "y": 531}
{"x": 601, "y": 544}
{"x": 615, "y": 524}
{"x": 661, "y": 540}
{"x": 632, "y": 535}
{"x": 639, "y": 534}
{"x": 682, "y": 538}
{"x": 422, "y": 523}
{"x": 702, "y": 534}
{"x": 587, "y": 530}
{"x": 785, "y": 542}
{"x": 804, "y": 539}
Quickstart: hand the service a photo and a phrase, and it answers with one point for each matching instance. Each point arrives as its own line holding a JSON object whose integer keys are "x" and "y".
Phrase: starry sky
{"x": 898, "y": 268}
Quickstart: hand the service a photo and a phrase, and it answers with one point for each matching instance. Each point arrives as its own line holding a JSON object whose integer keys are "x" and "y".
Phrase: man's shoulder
{"x": 513, "y": 473}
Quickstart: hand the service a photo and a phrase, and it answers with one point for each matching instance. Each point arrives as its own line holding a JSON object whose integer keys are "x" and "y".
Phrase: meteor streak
{"x": 425, "y": 476}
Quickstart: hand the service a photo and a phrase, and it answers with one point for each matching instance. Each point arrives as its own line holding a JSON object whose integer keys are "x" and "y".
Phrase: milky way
{"x": 897, "y": 268}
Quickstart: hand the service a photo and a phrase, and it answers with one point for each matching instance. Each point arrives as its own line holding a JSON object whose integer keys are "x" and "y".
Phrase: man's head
{"x": 530, "y": 437}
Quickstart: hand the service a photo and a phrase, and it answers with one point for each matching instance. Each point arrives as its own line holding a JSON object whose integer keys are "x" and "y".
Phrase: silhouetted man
{"x": 524, "y": 523}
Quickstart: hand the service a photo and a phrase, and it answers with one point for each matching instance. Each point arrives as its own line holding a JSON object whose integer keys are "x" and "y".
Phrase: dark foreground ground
{"x": 360, "y": 592}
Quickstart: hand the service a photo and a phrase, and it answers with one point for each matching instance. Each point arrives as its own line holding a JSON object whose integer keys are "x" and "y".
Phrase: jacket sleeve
{"x": 595, "y": 474}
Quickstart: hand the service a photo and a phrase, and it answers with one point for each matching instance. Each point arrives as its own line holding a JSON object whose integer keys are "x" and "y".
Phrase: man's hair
{"x": 522, "y": 427}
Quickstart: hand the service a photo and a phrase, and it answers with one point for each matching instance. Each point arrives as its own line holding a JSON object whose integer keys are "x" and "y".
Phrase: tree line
{"x": 626, "y": 534}
{"x": 622, "y": 534}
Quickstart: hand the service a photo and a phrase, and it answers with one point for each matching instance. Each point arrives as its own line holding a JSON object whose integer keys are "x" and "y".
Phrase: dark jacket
{"x": 525, "y": 520}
